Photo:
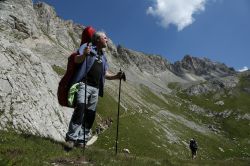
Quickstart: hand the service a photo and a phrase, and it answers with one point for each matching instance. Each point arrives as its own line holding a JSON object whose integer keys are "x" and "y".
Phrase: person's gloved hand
{"x": 121, "y": 75}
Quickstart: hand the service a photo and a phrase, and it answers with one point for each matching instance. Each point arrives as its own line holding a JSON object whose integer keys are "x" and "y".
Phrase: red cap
{"x": 87, "y": 34}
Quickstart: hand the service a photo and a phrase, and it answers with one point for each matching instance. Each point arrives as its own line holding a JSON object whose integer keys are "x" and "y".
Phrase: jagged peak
{"x": 201, "y": 67}
{"x": 149, "y": 62}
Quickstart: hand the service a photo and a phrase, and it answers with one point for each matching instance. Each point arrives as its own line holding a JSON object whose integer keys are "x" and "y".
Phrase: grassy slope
{"x": 31, "y": 150}
{"x": 145, "y": 137}
{"x": 137, "y": 133}
{"x": 235, "y": 132}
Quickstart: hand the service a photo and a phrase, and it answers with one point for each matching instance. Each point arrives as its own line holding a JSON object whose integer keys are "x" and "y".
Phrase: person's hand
{"x": 86, "y": 50}
{"x": 121, "y": 75}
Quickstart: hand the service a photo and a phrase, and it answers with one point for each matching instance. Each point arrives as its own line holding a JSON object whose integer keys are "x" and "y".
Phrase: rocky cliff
{"x": 32, "y": 38}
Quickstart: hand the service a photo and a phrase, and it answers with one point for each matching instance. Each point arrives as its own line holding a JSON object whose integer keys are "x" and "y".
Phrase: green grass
{"x": 145, "y": 137}
{"x": 133, "y": 129}
{"x": 30, "y": 150}
{"x": 151, "y": 98}
{"x": 235, "y": 134}
{"x": 174, "y": 86}
{"x": 236, "y": 99}
{"x": 236, "y": 128}
{"x": 27, "y": 149}
{"x": 231, "y": 127}
{"x": 199, "y": 162}
{"x": 59, "y": 70}
{"x": 133, "y": 135}
{"x": 136, "y": 132}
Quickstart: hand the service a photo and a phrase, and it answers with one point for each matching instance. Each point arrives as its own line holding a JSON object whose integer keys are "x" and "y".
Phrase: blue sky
{"x": 216, "y": 29}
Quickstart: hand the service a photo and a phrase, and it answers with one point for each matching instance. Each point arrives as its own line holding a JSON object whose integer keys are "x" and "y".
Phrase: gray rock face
{"x": 64, "y": 33}
{"x": 27, "y": 93}
{"x": 28, "y": 84}
{"x": 214, "y": 85}
{"x": 201, "y": 67}
{"x": 152, "y": 64}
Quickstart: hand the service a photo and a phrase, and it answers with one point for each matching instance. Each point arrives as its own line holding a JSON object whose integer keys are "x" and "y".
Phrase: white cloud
{"x": 176, "y": 12}
{"x": 245, "y": 68}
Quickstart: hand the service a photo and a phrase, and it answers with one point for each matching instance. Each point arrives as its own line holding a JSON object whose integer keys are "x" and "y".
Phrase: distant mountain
{"x": 163, "y": 104}
{"x": 201, "y": 67}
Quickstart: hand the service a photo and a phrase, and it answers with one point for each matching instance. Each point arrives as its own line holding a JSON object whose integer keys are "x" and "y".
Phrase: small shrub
{"x": 59, "y": 70}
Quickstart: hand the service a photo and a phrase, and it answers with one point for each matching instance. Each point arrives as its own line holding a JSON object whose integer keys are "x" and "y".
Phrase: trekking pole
{"x": 118, "y": 114}
{"x": 82, "y": 159}
{"x": 85, "y": 101}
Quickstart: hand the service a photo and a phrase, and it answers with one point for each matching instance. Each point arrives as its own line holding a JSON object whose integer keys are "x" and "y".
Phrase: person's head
{"x": 87, "y": 34}
{"x": 100, "y": 40}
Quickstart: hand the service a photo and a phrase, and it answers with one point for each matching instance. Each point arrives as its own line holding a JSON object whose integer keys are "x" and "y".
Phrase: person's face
{"x": 103, "y": 41}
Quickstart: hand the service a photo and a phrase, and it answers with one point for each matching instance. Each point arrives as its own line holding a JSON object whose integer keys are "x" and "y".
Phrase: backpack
{"x": 193, "y": 144}
{"x": 64, "y": 84}
{"x": 63, "y": 87}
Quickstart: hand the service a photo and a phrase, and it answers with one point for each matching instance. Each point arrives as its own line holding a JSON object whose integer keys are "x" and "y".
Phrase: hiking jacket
{"x": 81, "y": 68}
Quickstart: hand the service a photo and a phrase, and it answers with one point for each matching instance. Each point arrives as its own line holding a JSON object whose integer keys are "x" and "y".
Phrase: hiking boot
{"x": 88, "y": 136}
{"x": 69, "y": 144}
{"x": 80, "y": 143}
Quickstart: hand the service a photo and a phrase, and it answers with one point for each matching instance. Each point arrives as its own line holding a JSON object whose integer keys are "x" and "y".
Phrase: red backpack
{"x": 63, "y": 87}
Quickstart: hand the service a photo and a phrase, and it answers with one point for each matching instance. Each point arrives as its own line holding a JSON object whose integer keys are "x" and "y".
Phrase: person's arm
{"x": 111, "y": 76}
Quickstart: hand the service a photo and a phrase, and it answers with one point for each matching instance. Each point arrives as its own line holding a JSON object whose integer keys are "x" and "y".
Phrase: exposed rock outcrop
{"x": 201, "y": 67}
{"x": 214, "y": 85}
{"x": 28, "y": 83}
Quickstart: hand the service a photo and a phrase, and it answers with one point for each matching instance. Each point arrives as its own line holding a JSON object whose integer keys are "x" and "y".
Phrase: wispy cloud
{"x": 245, "y": 68}
{"x": 176, "y": 12}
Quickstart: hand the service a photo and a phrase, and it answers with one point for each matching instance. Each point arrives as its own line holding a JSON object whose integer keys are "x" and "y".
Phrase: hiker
{"x": 93, "y": 56}
{"x": 193, "y": 147}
